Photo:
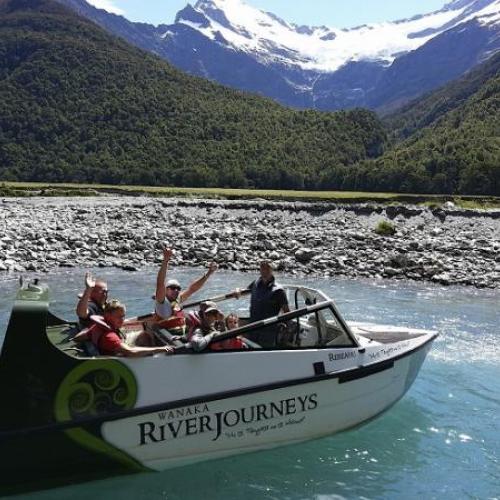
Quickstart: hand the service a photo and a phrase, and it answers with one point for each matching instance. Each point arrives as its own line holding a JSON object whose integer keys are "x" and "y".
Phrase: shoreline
{"x": 448, "y": 246}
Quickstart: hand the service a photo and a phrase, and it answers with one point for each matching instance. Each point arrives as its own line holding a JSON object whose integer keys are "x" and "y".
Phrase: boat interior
{"x": 313, "y": 322}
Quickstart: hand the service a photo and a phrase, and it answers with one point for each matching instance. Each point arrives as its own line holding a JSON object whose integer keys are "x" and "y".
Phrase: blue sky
{"x": 334, "y": 13}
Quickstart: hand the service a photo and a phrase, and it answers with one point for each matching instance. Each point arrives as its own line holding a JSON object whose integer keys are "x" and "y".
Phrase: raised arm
{"x": 196, "y": 285}
{"x": 162, "y": 274}
{"x": 82, "y": 308}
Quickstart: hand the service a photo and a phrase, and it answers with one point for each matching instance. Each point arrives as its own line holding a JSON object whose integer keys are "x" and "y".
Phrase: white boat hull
{"x": 107, "y": 415}
{"x": 262, "y": 419}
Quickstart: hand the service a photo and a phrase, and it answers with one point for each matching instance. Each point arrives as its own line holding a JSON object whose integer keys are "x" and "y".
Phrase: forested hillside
{"x": 77, "y": 104}
{"x": 426, "y": 110}
{"x": 445, "y": 142}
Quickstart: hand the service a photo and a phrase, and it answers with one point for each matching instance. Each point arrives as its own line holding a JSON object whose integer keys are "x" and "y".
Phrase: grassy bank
{"x": 22, "y": 189}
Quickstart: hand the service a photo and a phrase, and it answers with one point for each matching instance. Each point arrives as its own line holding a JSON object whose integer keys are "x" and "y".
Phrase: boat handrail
{"x": 218, "y": 298}
{"x": 307, "y": 289}
{"x": 246, "y": 291}
{"x": 280, "y": 318}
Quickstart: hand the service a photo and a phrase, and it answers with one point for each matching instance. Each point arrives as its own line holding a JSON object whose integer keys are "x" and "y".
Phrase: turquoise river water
{"x": 442, "y": 440}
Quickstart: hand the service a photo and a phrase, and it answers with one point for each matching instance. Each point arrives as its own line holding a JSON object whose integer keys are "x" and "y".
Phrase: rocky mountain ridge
{"x": 380, "y": 66}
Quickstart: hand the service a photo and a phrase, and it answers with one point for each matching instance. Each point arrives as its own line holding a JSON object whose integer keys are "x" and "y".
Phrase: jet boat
{"x": 68, "y": 414}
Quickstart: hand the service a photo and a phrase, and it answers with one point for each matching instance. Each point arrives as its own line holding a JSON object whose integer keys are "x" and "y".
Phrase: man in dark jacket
{"x": 268, "y": 299}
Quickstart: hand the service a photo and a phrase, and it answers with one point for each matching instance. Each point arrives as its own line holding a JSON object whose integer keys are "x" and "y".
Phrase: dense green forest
{"x": 426, "y": 110}
{"x": 445, "y": 142}
{"x": 80, "y": 105}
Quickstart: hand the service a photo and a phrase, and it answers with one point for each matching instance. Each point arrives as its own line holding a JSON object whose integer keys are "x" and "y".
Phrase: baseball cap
{"x": 173, "y": 284}
{"x": 212, "y": 309}
{"x": 209, "y": 306}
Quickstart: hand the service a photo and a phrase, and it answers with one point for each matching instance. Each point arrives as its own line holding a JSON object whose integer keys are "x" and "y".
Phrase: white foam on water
{"x": 464, "y": 438}
{"x": 454, "y": 346}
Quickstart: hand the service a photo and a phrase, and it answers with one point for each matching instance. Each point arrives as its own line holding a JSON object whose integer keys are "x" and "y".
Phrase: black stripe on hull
{"x": 366, "y": 371}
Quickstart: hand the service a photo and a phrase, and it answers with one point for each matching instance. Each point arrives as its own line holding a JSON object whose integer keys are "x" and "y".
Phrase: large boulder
{"x": 305, "y": 255}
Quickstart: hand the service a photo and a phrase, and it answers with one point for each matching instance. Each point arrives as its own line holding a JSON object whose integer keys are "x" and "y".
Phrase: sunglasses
{"x": 177, "y": 288}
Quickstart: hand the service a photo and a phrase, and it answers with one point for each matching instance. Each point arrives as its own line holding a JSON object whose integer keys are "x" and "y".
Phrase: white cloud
{"x": 107, "y": 5}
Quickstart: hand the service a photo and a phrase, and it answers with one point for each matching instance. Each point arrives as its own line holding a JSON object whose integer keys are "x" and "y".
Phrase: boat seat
{"x": 287, "y": 336}
{"x": 165, "y": 337}
{"x": 333, "y": 335}
{"x": 339, "y": 340}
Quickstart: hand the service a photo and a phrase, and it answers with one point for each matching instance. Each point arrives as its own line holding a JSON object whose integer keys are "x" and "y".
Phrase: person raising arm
{"x": 198, "y": 284}
{"x": 92, "y": 300}
{"x": 169, "y": 295}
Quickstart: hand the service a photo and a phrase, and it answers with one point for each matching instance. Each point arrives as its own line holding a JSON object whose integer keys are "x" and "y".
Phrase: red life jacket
{"x": 225, "y": 345}
{"x": 97, "y": 330}
{"x": 176, "y": 322}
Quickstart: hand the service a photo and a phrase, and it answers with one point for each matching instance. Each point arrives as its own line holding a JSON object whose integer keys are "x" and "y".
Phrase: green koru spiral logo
{"x": 94, "y": 388}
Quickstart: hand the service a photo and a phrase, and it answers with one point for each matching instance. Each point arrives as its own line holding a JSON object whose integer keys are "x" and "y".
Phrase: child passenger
{"x": 232, "y": 321}
{"x": 236, "y": 343}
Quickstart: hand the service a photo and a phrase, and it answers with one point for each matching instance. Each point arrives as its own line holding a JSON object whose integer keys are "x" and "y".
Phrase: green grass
{"x": 477, "y": 204}
{"x": 48, "y": 189}
{"x": 201, "y": 192}
{"x": 471, "y": 203}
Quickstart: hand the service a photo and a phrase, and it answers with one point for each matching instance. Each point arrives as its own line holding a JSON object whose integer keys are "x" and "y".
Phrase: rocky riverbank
{"x": 447, "y": 246}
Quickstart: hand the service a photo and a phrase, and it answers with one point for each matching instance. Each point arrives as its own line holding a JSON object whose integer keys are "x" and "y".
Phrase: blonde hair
{"x": 114, "y": 305}
{"x": 232, "y": 316}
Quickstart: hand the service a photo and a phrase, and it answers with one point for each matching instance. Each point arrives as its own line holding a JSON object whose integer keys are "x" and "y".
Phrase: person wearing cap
{"x": 267, "y": 299}
{"x": 92, "y": 300}
{"x": 169, "y": 296}
{"x": 194, "y": 318}
{"x": 207, "y": 330}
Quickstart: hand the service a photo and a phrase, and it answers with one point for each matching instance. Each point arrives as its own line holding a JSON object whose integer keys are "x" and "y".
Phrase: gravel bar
{"x": 449, "y": 246}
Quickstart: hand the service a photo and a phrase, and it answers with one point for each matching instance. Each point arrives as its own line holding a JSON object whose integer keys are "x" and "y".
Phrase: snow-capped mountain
{"x": 377, "y": 66}
{"x": 271, "y": 40}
